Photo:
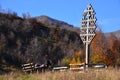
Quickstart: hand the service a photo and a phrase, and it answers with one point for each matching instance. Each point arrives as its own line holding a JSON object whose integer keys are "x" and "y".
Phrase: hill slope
{"x": 27, "y": 40}
{"x": 50, "y": 21}
{"x": 116, "y": 33}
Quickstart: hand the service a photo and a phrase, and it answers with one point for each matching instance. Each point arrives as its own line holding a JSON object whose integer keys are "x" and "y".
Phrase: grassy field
{"x": 109, "y": 74}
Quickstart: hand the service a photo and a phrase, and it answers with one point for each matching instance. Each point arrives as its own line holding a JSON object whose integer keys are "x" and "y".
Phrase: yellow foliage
{"x": 98, "y": 58}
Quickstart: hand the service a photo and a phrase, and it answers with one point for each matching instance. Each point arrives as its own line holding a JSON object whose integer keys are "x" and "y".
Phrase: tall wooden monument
{"x": 87, "y": 30}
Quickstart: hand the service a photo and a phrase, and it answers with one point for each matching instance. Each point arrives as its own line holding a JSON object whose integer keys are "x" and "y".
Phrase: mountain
{"x": 50, "y": 21}
{"x": 116, "y": 33}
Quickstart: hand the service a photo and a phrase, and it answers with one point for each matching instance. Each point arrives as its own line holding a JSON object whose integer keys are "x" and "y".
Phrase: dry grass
{"x": 109, "y": 74}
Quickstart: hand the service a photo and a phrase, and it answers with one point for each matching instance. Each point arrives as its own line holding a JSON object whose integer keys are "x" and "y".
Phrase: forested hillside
{"x": 27, "y": 40}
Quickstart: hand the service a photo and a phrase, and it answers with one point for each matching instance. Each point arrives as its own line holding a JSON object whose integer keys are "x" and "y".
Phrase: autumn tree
{"x": 98, "y": 48}
{"x": 114, "y": 49}
{"x": 78, "y": 57}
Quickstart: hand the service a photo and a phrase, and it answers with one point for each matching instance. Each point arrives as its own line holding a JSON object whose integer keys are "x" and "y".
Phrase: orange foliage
{"x": 114, "y": 49}
{"x": 105, "y": 50}
{"x": 99, "y": 43}
{"x": 99, "y": 48}
{"x": 77, "y": 58}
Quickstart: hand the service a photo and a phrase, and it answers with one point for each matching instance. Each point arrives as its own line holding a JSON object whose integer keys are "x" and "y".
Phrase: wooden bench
{"x": 77, "y": 67}
{"x": 28, "y": 67}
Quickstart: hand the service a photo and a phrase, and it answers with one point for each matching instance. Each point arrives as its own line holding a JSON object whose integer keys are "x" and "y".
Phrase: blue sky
{"x": 70, "y": 11}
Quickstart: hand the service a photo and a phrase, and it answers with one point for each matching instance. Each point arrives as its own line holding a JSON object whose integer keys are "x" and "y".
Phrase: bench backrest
{"x": 28, "y": 67}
